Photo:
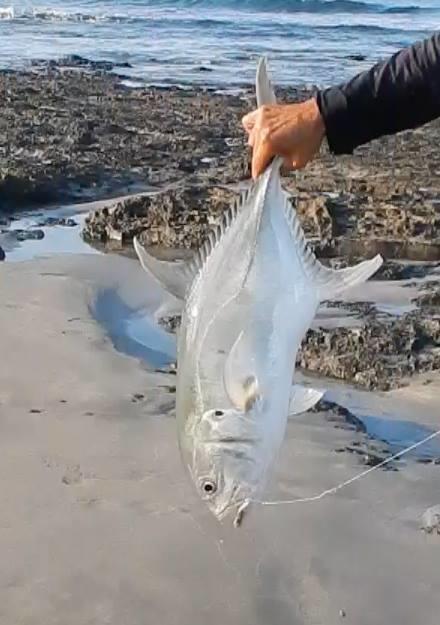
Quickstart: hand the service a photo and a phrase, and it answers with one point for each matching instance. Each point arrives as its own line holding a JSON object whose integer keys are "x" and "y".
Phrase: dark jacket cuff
{"x": 333, "y": 107}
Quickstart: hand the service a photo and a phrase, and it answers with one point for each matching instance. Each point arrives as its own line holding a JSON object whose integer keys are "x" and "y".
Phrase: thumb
{"x": 261, "y": 158}
{"x": 248, "y": 121}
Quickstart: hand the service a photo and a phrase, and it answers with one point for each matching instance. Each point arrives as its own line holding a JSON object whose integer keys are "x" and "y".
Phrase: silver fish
{"x": 249, "y": 296}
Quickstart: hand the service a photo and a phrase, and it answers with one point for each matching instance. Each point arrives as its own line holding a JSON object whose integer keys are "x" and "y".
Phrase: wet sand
{"x": 99, "y": 524}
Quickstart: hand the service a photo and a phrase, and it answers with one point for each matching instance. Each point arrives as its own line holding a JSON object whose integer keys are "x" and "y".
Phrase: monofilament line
{"x": 335, "y": 489}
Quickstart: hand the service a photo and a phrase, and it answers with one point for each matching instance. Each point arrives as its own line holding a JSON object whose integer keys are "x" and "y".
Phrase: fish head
{"x": 228, "y": 461}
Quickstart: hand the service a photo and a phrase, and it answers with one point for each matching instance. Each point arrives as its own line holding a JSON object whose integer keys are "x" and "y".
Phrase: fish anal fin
{"x": 174, "y": 277}
{"x": 302, "y": 398}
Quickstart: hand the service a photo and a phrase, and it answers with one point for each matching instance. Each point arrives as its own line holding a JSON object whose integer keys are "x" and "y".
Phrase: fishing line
{"x": 335, "y": 489}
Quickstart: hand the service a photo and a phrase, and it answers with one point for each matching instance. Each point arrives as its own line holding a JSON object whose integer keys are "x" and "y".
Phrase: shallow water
{"x": 395, "y": 422}
{"x": 399, "y": 435}
{"x": 134, "y": 332}
{"x": 57, "y": 239}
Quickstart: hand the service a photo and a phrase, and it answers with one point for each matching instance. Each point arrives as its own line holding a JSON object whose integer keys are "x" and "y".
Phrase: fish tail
{"x": 264, "y": 89}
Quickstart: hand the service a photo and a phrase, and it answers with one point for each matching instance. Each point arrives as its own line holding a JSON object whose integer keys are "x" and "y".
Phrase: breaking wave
{"x": 57, "y": 15}
{"x": 7, "y": 13}
{"x": 283, "y": 6}
{"x": 296, "y": 6}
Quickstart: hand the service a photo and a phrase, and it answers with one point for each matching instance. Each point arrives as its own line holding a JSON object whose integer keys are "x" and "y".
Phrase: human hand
{"x": 293, "y": 131}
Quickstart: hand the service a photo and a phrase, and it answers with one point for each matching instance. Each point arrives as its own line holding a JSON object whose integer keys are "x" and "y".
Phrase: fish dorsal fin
{"x": 215, "y": 235}
{"x": 177, "y": 277}
{"x": 302, "y": 398}
{"x": 264, "y": 89}
{"x": 240, "y": 377}
{"x": 330, "y": 283}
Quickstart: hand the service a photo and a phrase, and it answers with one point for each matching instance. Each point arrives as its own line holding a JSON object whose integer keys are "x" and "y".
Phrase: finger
{"x": 251, "y": 138}
{"x": 298, "y": 163}
{"x": 248, "y": 121}
{"x": 262, "y": 156}
{"x": 287, "y": 163}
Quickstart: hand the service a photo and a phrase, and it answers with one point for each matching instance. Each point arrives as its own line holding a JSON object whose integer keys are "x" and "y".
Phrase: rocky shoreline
{"x": 380, "y": 354}
{"x": 71, "y": 131}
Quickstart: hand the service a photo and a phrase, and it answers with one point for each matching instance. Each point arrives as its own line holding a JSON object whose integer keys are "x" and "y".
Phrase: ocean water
{"x": 216, "y": 42}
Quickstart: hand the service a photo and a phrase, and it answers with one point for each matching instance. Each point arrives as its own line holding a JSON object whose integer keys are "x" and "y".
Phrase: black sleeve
{"x": 400, "y": 93}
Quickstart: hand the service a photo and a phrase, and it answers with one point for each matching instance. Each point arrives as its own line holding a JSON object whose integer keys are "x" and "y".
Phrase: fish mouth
{"x": 240, "y": 510}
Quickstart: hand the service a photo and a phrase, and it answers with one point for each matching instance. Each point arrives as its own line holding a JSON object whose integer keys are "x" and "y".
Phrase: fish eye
{"x": 219, "y": 413}
{"x": 209, "y": 487}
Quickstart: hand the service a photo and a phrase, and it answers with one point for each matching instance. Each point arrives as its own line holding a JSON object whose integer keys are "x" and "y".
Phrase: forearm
{"x": 400, "y": 93}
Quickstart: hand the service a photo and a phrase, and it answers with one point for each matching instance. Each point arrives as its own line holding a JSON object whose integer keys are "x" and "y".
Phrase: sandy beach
{"x": 99, "y": 525}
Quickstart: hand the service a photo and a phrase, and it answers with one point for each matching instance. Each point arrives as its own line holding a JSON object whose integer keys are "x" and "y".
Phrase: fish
{"x": 249, "y": 295}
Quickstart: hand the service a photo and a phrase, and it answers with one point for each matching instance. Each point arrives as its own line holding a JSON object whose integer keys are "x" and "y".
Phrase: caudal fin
{"x": 264, "y": 90}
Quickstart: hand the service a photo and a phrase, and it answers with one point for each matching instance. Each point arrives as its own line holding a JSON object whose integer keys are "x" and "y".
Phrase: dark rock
{"x": 69, "y": 222}
{"x": 2, "y": 254}
{"x": 74, "y": 135}
{"x": 380, "y": 355}
{"x": 58, "y": 221}
{"x": 430, "y": 298}
{"x": 356, "y": 57}
{"x": 170, "y": 323}
{"x": 366, "y": 449}
{"x": 178, "y": 218}
{"x": 77, "y": 61}
{"x": 338, "y": 414}
{"x": 28, "y": 235}
{"x": 17, "y": 191}
{"x": 404, "y": 271}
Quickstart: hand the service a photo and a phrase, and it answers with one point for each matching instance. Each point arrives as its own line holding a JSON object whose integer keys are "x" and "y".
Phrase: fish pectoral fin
{"x": 241, "y": 385}
{"x": 174, "y": 277}
{"x": 302, "y": 398}
{"x": 244, "y": 393}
